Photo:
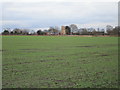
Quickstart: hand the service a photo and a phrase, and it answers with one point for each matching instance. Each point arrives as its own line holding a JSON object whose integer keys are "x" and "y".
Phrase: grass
{"x": 59, "y": 62}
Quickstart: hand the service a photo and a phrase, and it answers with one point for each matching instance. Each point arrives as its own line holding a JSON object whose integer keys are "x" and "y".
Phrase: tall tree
{"x": 68, "y": 30}
{"x": 5, "y": 32}
{"x": 39, "y": 32}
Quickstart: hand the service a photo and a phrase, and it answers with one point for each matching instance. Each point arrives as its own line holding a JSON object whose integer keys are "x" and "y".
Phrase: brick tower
{"x": 63, "y": 30}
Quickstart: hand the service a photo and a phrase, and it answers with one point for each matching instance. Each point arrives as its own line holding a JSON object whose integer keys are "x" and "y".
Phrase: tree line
{"x": 73, "y": 30}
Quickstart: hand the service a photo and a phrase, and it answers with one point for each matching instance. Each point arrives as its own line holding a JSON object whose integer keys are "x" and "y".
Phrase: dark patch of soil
{"x": 24, "y": 62}
{"x": 33, "y": 50}
{"x": 58, "y": 59}
{"x": 2, "y": 50}
{"x": 85, "y": 46}
{"x": 49, "y": 56}
{"x": 29, "y": 49}
{"x": 69, "y": 83}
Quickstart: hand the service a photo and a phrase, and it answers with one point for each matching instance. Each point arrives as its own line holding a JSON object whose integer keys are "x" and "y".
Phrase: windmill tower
{"x": 63, "y": 32}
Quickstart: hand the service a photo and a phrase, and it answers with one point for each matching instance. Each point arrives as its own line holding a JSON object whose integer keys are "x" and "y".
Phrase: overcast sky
{"x": 34, "y": 15}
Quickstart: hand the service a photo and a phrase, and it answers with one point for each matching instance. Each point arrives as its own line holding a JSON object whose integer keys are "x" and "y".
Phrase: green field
{"x": 59, "y": 62}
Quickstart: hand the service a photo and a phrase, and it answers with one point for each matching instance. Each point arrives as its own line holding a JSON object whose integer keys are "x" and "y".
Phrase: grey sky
{"x": 46, "y": 14}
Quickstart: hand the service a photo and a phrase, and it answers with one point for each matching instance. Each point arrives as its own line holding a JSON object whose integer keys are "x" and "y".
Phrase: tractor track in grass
{"x": 38, "y": 61}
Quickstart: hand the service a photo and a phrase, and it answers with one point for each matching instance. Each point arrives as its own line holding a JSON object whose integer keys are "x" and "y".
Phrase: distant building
{"x": 31, "y": 32}
{"x": 90, "y": 29}
{"x": 63, "y": 30}
{"x": 80, "y": 30}
{"x": 17, "y": 31}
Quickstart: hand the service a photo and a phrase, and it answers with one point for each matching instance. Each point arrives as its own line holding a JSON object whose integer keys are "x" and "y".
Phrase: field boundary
{"x": 69, "y": 35}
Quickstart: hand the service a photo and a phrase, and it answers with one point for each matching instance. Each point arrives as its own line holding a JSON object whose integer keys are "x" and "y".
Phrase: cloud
{"x": 46, "y": 14}
{"x": 15, "y": 24}
{"x": 60, "y": 0}
{"x": 97, "y": 25}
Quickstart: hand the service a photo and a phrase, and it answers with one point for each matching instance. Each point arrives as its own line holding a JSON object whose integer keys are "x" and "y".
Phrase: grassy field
{"x": 59, "y": 62}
